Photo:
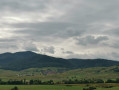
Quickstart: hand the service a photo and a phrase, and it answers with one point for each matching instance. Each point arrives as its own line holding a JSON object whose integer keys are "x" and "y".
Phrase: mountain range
{"x": 27, "y": 59}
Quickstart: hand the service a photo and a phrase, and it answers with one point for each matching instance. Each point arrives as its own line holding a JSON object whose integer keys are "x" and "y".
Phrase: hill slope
{"x": 25, "y": 60}
{"x": 50, "y": 73}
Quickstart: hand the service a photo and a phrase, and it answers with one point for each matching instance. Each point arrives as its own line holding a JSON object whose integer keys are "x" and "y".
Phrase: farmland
{"x": 52, "y": 73}
{"x": 51, "y": 87}
{"x": 40, "y": 87}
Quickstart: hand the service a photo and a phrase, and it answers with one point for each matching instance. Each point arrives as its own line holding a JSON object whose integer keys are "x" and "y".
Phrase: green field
{"x": 49, "y": 87}
{"x": 52, "y": 73}
{"x": 40, "y": 87}
{"x": 86, "y": 73}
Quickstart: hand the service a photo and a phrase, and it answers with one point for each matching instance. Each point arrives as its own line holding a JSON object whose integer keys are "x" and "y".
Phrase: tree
{"x": 117, "y": 80}
{"x": 31, "y": 82}
{"x": 110, "y": 81}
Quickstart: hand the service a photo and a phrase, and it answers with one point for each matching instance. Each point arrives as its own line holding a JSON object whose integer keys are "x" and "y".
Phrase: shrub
{"x": 90, "y": 88}
{"x": 15, "y": 88}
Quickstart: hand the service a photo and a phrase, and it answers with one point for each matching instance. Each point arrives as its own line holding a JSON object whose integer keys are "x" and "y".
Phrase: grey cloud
{"x": 61, "y": 20}
{"x": 21, "y": 6}
{"x": 44, "y": 25}
{"x": 114, "y": 32}
{"x": 94, "y": 11}
{"x": 80, "y": 56}
{"x": 115, "y": 45}
{"x": 16, "y": 43}
{"x": 115, "y": 55}
{"x": 53, "y": 29}
{"x": 8, "y": 43}
{"x": 50, "y": 50}
{"x": 8, "y": 46}
{"x": 90, "y": 40}
{"x": 29, "y": 46}
{"x": 68, "y": 52}
{"x": 71, "y": 32}
{"x": 7, "y": 40}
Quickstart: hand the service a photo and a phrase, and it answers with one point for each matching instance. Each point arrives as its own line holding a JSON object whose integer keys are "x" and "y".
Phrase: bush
{"x": 107, "y": 86}
{"x": 90, "y": 88}
{"x": 15, "y": 88}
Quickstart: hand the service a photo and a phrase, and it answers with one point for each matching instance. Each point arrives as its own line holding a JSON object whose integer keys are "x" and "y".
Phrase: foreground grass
{"x": 114, "y": 88}
{"x": 49, "y": 87}
{"x": 40, "y": 87}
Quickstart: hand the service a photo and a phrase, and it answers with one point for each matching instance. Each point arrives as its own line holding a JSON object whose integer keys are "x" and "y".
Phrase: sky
{"x": 61, "y": 28}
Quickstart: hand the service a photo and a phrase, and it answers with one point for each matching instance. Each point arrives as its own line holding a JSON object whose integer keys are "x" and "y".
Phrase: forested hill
{"x": 25, "y": 60}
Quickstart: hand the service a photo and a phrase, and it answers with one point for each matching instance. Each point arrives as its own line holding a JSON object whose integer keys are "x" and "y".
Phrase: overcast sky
{"x": 61, "y": 28}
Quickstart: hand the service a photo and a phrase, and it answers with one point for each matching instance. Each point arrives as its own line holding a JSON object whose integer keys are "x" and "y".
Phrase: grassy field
{"x": 87, "y": 73}
{"x": 40, "y": 87}
{"x": 115, "y": 88}
{"x": 49, "y": 87}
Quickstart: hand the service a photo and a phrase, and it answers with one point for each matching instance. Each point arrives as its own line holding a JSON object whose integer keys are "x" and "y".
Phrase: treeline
{"x": 86, "y": 81}
{"x": 51, "y": 82}
{"x": 82, "y": 81}
{"x": 26, "y": 82}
